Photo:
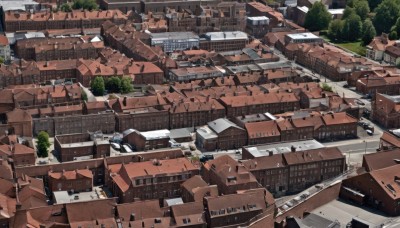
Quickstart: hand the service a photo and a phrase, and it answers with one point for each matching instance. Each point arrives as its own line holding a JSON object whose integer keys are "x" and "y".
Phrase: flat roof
{"x": 173, "y": 36}
{"x": 304, "y": 35}
{"x": 61, "y": 197}
{"x": 158, "y": 134}
{"x": 336, "y": 11}
{"x": 281, "y": 148}
{"x": 206, "y": 133}
{"x": 235, "y": 35}
{"x": 259, "y": 18}
{"x": 77, "y": 144}
{"x": 180, "y": 133}
{"x": 16, "y": 5}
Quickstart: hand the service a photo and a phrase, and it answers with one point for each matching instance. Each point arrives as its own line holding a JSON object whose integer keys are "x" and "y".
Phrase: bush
{"x": 126, "y": 85}
{"x": 326, "y": 87}
{"x": 98, "y": 87}
{"x": 113, "y": 84}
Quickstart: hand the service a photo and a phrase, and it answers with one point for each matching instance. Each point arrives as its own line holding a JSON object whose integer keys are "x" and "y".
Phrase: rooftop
{"x": 302, "y": 36}
{"x": 280, "y": 148}
{"x": 62, "y": 197}
{"x": 216, "y": 36}
{"x": 173, "y": 36}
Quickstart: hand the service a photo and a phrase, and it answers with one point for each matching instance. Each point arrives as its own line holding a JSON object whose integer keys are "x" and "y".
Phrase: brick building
{"x": 261, "y": 103}
{"x": 390, "y": 140}
{"x": 20, "y": 21}
{"x": 221, "y": 134}
{"x": 262, "y": 132}
{"x": 295, "y": 171}
{"x": 46, "y": 49}
{"x": 239, "y": 209}
{"x": 385, "y": 110}
{"x": 156, "y": 179}
{"x": 193, "y": 113}
{"x": 229, "y": 175}
{"x": 372, "y": 85}
{"x": 76, "y": 181}
{"x": 377, "y": 189}
{"x": 255, "y": 9}
{"x": 223, "y": 41}
{"x": 71, "y": 147}
{"x": 142, "y": 119}
{"x": 147, "y": 140}
{"x": 195, "y": 189}
{"x": 380, "y": 160}
{"x": 20, "y": 154}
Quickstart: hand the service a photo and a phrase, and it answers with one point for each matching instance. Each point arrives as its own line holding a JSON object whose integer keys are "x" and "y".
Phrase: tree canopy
{"x": 362, "y": 9}
{"x": 66, "y": 7}
{"x": 97, "y": 86}
{"x": 43, "y": 144}
{"x": 386, "y": 15}
{"x": 113, "y": 84}
{"x": 126, "y": 85}
{"x": 352, "y": 28}
{"x": 85, "y": 4}
{"x": 368, "y": 32}
{"x": 317, "y": 18}
{"x": 335, "y": 30}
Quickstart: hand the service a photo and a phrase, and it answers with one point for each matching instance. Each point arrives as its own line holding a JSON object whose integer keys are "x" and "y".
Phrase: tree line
{"x": 362, "y": 19}
{"x": 113, "y": 84}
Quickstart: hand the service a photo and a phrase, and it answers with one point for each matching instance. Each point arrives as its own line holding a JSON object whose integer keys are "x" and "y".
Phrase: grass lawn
{"x": 355, "y": 47}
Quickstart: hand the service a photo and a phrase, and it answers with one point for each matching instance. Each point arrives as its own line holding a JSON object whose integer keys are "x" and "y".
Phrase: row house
{"x": 385, "y": 110}
{"x": 260, "y": 103}
{"x": 80, "y": 180}
{"x": 18, "y": 122}
{"x": 133, "y": 44}
{"x": 19, "y": 21}
{"x": 157, "y": 179}
{"x": 390, "y": 140}
{"x": 375, "y": 49}
{"x": 297, "y": 170}
{"x": 161, "y": 6}
{"x": 193, "y": 113}
{"x": 71, "y": 147}
{"x": 23, "y": 72}
{"x": 46, "y": 49}
{"x": 372, "y": 85}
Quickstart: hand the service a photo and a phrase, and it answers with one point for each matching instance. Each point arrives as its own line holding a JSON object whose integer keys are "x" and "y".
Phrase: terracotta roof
{"x": 141, "y": 210}
{"x": 194, "y": 182}
{"x": 387, "y": 179}
{"x": 265, "y": 162}
{"x": 391, "y": 138}
{"x": 300, "y": 157}
{"x": 18, "y": 115}
{"x": 338, "y": 118}
{"x": 3, "y": 40}
{"x": 262, "y": 129}
{"x": 71, "y": 175}
{"x": 95, "y": 212}
{"x": 193, "y": 212}
{"x": 381, "y": 160}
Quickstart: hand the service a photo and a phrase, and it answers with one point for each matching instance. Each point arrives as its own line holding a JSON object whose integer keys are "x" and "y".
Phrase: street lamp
{"x": 365, "y": 151}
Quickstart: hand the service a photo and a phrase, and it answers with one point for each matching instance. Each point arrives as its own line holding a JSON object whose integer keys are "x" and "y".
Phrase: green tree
{"x": 386, "y": 15}
{"x": 113, "y": 84}
{"x": 97, "y": 86}
{"x": 362, "y": 9}
{"x": 84, "y": 96}
{"x": 352, "y": 28}
{"x": 347, "y": 12}
{"x": 393, "y": 35}
{"x": 374, "y": 3}
{"x": 335, "y": 30}
{"x": 43, "y": 144}
{"x": 396, "y": 26}
{"x": 1, "y": 60}
{"x": 368, "y": 32}
{"x": 126, "y": 85}
{"x": 66, "y": 7}
{"x": 85, "y": 4}
{"x": 317, "y": 18}
{"x": 326, "y": 87}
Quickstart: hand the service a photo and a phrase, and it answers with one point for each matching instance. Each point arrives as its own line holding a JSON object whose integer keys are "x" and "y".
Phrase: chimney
{"x": 293, "y": 148}
{"x": 124, "y": 101}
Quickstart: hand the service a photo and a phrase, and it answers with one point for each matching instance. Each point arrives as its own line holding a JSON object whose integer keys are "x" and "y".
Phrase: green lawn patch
{"x": 355, "y": 47}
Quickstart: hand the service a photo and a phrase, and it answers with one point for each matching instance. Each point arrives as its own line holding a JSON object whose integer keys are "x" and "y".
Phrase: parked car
{"x": 369, "y": 132}
{"x": 346, "y": 86}
{"x": 127, "y": 148}
{"x": 206, "y": 157}
{"x": 116, "y": 146}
